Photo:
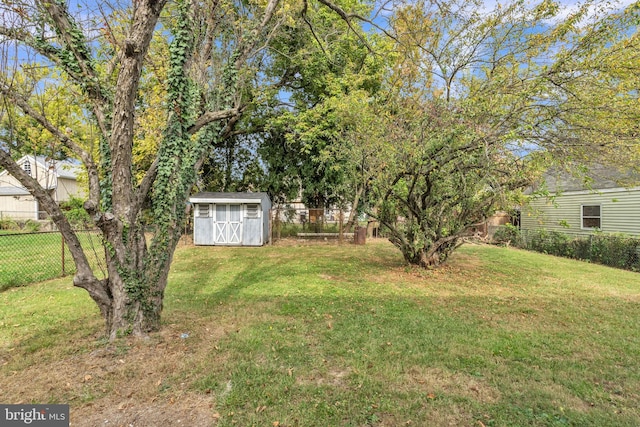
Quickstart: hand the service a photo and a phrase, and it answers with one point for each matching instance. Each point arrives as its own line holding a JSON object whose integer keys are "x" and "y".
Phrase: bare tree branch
{"x": 87, "y": 159}
{"x": 347, "y": 18}
{"x": 213, "y": 116}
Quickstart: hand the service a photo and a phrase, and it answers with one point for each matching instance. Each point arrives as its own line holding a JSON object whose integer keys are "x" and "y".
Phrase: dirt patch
{"x": 328, "y": 277}
{"x": 129, "y": 383}
{"x": 434, "y": 381}
{"x": 188, "y": 410}
{"x": 333, "y": 377}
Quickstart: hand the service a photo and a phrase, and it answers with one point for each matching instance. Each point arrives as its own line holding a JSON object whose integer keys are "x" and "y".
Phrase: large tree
{"x": 202, "y": 58}
{"x": 325, "y": 70}
{"x": 478, "y": 102}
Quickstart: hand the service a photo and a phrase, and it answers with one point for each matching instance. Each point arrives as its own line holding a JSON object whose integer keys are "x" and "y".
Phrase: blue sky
{"x": 570, "y": 6}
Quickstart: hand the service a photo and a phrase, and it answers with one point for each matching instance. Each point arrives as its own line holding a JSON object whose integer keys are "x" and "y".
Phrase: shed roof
{"x": 218, "y": 197}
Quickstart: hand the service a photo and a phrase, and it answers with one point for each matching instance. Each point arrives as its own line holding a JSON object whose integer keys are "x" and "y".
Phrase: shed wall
{"x": 252, "y": 232}
{"x": 203, "y": 227}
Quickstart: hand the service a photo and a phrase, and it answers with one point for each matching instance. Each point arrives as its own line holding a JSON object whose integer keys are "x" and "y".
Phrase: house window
{"x": 253, "y": 211}
{"x": 591, "y": 216}
{"x": 27, "y": 167}
{"x": 203, "y": 210}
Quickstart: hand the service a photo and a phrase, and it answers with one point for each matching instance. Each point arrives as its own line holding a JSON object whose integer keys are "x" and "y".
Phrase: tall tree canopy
{"x": 156, "y": 85}
{"x": 478, "y": 101}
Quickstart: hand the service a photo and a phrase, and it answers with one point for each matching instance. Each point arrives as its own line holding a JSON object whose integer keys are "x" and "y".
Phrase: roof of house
{"x": 13, "y": 191}
{"x": 69, "y": 169}
{"x": 598, "y": 177}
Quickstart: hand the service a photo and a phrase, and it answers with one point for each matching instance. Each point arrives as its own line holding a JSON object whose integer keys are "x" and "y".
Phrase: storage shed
{"x": 231, "y": 219}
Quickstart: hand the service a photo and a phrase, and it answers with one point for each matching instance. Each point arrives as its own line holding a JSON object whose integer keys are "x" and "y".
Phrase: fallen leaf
{"x": 431, "y": 396}
{"x": 87, "y": 377}
{"x": 276, "y": 423}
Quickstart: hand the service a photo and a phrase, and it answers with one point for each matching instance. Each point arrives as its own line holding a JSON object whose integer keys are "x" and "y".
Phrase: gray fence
{"x": 32, "y": 257}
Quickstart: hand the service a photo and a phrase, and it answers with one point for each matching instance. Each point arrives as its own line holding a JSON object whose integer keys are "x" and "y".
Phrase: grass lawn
{"x": 30, "y": 257}
{"x": 327, "y": 335}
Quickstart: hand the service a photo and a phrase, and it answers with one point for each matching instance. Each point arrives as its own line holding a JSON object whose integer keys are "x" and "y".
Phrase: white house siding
{"x": 57, "y": 176}
{"x": 18, "y": 207}
{"x": 67, "y": 188}
{"x": 619, "y": 211}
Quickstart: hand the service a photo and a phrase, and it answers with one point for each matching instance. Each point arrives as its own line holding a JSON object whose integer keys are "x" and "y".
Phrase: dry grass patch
{"x": 436, "y": 381}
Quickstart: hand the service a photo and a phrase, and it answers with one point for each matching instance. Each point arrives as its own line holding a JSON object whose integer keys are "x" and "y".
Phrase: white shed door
{"x": 228, "y": 225}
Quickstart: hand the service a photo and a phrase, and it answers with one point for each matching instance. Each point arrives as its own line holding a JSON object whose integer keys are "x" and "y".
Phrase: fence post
{"x": 271, "y": 226}
{"x": 62, "y": 239}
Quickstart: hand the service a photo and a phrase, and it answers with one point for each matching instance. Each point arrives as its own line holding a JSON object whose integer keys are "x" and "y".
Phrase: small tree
{"x": 465, "y": 92}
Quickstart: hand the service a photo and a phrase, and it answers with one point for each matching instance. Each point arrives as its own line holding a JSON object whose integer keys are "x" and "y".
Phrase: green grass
{"x": 33, "y": 257}
{"x": 327, "y": 335}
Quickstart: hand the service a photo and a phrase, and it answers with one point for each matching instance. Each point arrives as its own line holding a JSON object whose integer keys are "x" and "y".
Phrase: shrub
{"x": 616, "y": 251}
{"x": 8, "y": 224}
{"x": 506, "y": 234}
{"x": 608, "y": 249}
{"x": 31, "y": 226}
{"x": 581, "y": 248}
{"x": 74, "y": 211}
{"x": 552, "y": 243}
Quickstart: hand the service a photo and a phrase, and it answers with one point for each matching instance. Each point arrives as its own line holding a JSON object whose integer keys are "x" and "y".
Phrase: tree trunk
{"x": 136, "y": 282}
{"x": 354, "y": 209}
{"x": 132, "y": 315}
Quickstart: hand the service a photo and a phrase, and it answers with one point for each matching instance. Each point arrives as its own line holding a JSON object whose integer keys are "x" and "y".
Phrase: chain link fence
{"x": 33, "y": 257}
{"x": 613, "y": 250}
{"x": 291, "y": 221}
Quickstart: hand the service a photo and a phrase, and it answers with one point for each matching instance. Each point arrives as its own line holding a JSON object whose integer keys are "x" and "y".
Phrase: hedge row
{"x": 608, "y": 249}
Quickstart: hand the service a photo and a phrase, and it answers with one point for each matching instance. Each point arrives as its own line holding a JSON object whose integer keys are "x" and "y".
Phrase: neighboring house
{"x": 60, "y": 177}
{"x": 232, "y": 219}
{"x": 609, "y": 203}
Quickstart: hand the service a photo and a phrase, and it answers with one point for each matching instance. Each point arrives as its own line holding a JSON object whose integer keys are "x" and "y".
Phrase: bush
{"x": 31, "y": 226}
{"x": 581, "y": 248}
{"x": 8, "y": 224}
{"x": 552, "y": 243}
{"x": 74, "y": 211}
{"x": 507, "y": 234}
{"x": 612, "y": 250}
{"x": 616, "y": 251}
